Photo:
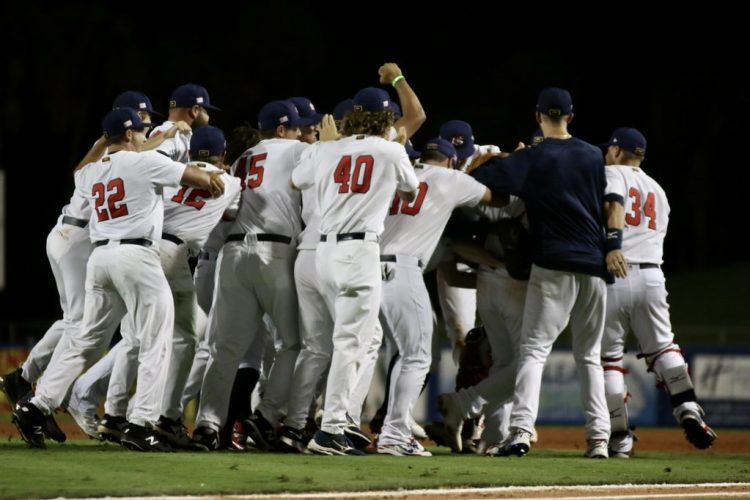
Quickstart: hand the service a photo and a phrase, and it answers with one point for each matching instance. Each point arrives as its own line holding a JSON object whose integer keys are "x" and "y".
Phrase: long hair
{"x": 367, "y": 122}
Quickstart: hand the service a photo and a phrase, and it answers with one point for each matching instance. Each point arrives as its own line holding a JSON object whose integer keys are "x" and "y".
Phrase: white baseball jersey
{"x": 341, "y": 173}
{"x": 178, "y": 147}
{"x": 310, "y": 237}
{"x": 190, "y": 213}
{"x": 124, "y": 189}
{"x": 646, "y": 213}
{"x": 269, "y": 204}
{"x": 415, "y": 228}
{"x": 78, "y": 207}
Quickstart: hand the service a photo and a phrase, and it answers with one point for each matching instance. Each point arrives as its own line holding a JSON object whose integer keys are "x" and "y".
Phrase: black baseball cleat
{"x": 139, "y": 438}
{"x": 261, "y": 431}
{"x": 324, "y": 443}
{"x": 111, "y": 428}
{"x": 29, "y": 420}
{"x": 14, "y": 386}
{"x": 52, "y": 430}
{"x": 697, "y": 432}
{"x": 205, "y": 439}
{"x": 173, "y": 432}
{"x": 293, "y": 440}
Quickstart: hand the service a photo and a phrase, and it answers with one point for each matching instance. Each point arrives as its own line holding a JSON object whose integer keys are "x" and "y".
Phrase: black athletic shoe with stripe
{"x": 29, "y": 421}
{"x": 139, "y": 438}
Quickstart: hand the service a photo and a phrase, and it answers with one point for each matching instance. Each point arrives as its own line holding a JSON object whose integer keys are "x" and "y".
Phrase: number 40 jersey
{"x": 646, "y": 213}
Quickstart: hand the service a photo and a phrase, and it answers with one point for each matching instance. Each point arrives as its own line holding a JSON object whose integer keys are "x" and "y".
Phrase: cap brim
{"x": 414, "y": 154}
{"x": 465, "y": 150}
{"x": 210, "y": 106}
{"x": 153, "y": 112}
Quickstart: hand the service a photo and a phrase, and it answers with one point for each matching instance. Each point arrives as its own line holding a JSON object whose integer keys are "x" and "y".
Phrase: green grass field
{"x": 86, "y": 469}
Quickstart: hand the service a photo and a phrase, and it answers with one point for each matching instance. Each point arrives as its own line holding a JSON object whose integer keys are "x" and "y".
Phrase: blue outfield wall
{"x": 721, "y": 378}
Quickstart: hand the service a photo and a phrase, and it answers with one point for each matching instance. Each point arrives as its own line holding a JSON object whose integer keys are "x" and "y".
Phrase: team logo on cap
{"x": 199, "y": 100}
{"x": 283, "y": 119}
{"x": 127, "y": 123}
{"x": 204, "y": 152}
{"x": 141, "y": 105}
{"x": 457, "y": 140}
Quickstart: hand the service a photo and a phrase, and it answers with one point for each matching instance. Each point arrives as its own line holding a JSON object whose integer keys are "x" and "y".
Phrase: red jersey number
{"x": 358, "y": 179}
{"x": 191, "y": 197}
{"x": 633, "y": 217}
{"x": 250, "y": 170}
{"x": 113, "y": 195}
{"x": 412, "y": 208}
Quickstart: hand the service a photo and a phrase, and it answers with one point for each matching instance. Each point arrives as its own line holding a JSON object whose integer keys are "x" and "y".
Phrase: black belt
{"x": 128, "y": 241}
{"x": 74, "y": 222}
{"x": 345, "y": 237}
{"x": 278, "y": 238}
{"x": 170, "y": 237}
{"x": 648, "y": 266}
{"x": 393, "y": 258}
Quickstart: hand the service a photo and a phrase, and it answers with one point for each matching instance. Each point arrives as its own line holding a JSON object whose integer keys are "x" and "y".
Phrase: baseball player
{"x": 68, "y": 249}
{"x": 562, "y": 182}
{"x": 255, "y": 275}
{"x": 638, "y": 214}
{"x": 189, "y": 103}
{"x": 354, "y": 179}
{"x": 123, "y": 273}
{"x": 411, "y": 233}
{"x": 306, "y": 109}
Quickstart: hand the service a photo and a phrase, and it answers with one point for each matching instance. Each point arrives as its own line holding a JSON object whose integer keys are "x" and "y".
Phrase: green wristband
{"x": 396, "y": 80}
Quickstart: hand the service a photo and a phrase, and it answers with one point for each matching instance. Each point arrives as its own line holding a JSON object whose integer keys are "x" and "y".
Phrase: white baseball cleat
{"x": 518, "y": 444}
{"x": 88, "y": 422}
{"x": 597, "y": 448}
{"x": 410, "y": 449}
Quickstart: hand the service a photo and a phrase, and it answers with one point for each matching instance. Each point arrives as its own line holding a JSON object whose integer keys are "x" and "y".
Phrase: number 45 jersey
{"x": 190, "y": 213}
{"x": 124, "y": 189}
{"x": 646, "y": 212}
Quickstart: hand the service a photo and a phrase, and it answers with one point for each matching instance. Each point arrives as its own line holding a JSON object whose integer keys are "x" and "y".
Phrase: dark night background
{"x": 63, "y": 66}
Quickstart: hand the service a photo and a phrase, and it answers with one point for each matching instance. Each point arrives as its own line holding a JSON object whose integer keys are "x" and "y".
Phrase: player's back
{"x": 124, "y": 189}
{"x": 269, "y": 204}
{"x": 415, "y": 228}
{"x": 176, "y": 148}
{"x": 191, "y": 213}
{"x": 355, "y": 179}
{"x": 646, "y": 213}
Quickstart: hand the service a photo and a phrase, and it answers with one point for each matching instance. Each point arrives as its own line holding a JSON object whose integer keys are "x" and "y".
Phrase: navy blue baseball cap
{"x": 393, "y": 106}
{"x": 306, "y": 109}
{"x": 342, "y": 108}
{"x": 277, "y": 113}
{"x": 207, "y": 141}
{"x": 119, "y": 120}
{"x": 372, "y": 99}
{"x": 460, "y": 135}
{"x": 628, "y": 139}
{"x": 412, "y": 153}
{"x": 554, "y": 102}
{"x": 441, "y": 146}
{"x": 189, "y": 95}
{"x": 135, "y": 100}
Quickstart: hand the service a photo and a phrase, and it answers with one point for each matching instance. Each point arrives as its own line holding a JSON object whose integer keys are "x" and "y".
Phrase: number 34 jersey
{"x": 124, "y": 189}
{"x": 415, "y": 228}
{"x": 646, "y": 213}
